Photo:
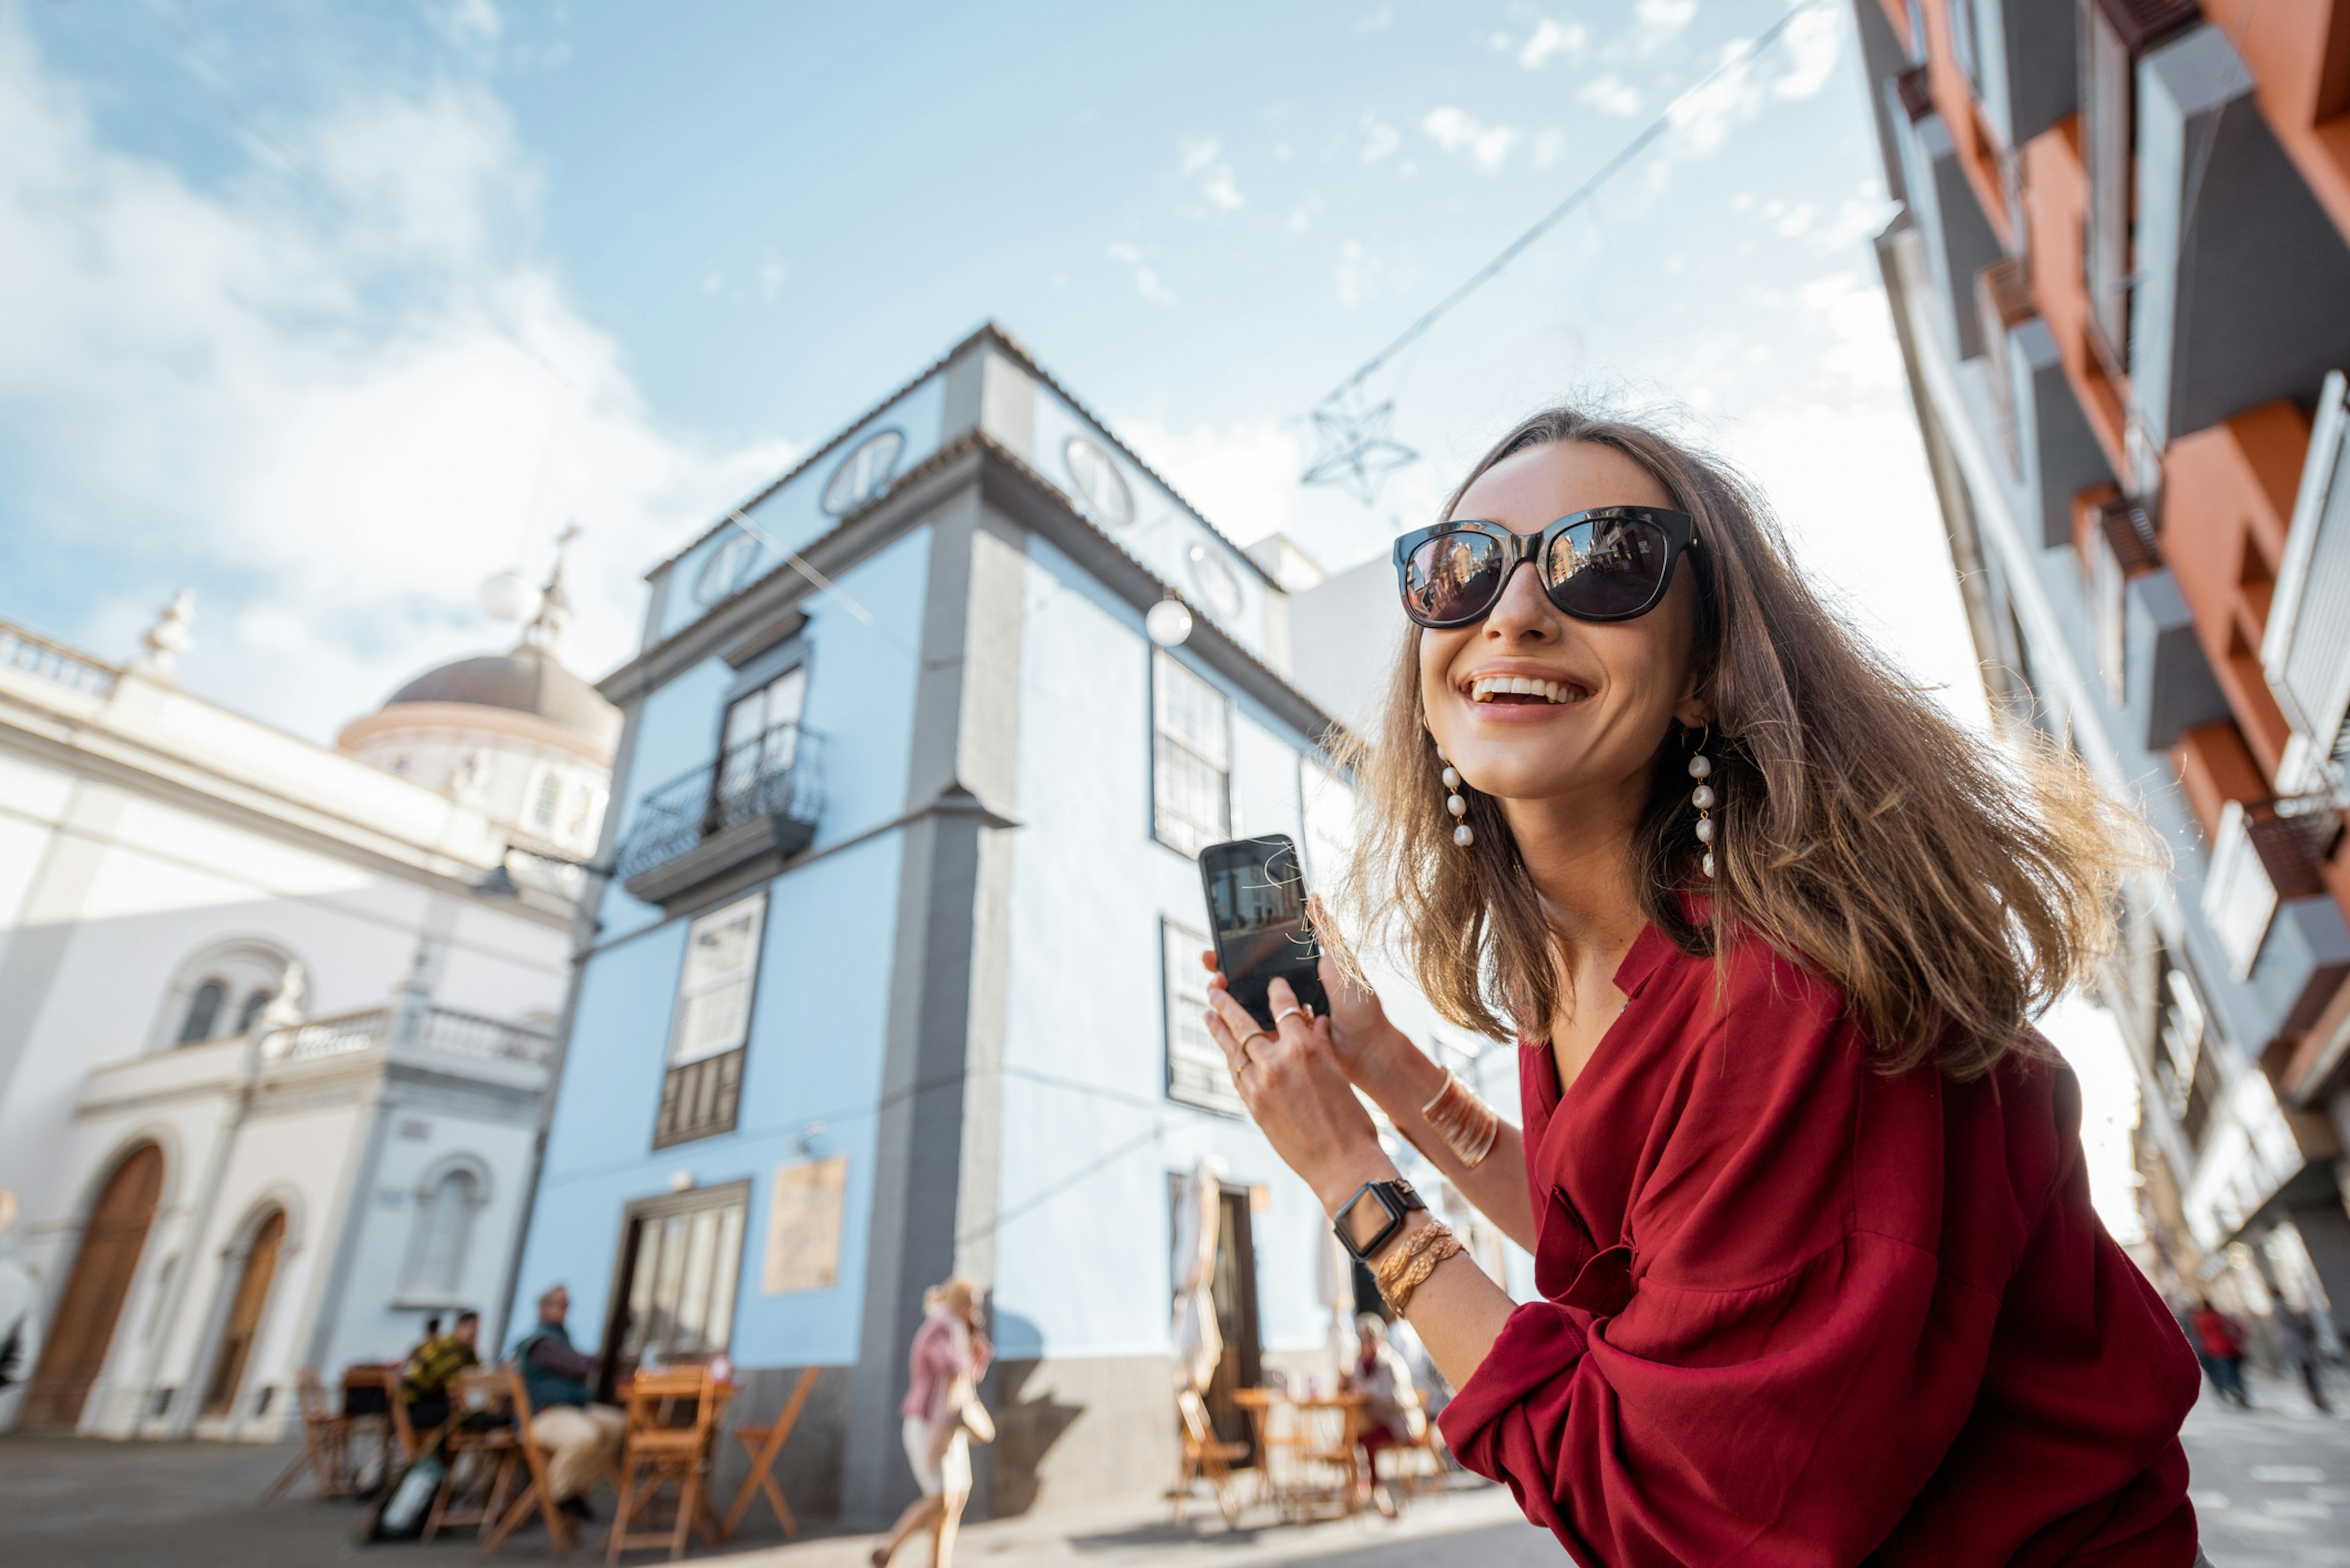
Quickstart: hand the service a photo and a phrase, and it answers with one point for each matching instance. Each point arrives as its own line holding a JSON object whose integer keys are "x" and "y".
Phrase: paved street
{"x": 2272, "y": 1485}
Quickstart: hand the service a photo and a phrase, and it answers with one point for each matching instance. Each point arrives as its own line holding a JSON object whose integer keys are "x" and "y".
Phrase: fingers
{"x": 1278, "y": 996}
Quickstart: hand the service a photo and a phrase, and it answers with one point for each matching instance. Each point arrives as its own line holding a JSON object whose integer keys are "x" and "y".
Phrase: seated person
{"x": 432, "y": 1365}
{"x": 582, "y": 1438}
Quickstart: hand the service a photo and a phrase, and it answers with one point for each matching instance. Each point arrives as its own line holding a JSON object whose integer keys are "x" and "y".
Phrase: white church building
{"x": 278, "y": 1018}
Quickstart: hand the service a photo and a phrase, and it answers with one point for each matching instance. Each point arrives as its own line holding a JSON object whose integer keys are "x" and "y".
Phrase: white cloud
{"x": 1456, "y": 131}
{"x": 1378, "y": 141}
{"x": 1548, "y": 38}
{"x": 474, "y": 26}
{"x": 1655, "y": 23}
{"x": 1810, "y": 47}
{"x": 1243, "y": 477}
{"x": 344, "y": 409}
{"x": 1147, "y": 282}
{"x": 1611, "y": 94}
{"x": 1861, "y": 357}
{"x": 1546, "y": 148}
{"x": 1214, "y": 178}
{"x": 1362, "y": 276}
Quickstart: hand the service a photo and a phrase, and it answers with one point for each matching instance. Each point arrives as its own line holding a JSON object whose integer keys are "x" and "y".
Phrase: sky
{"x": 327, "y": 312}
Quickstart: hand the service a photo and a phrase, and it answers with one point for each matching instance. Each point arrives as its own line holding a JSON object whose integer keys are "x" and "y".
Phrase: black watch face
{"x": 1367, "y": 1221}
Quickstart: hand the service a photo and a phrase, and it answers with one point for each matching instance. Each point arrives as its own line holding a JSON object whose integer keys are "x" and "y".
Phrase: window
{"x": 250, "y": 1014}
{"x": 1197, "y": 1073}
{"x": 762, "y": 733}
{"x": 712, "y": 1023}
{"x": 2107, "y": 133}
{"x": 204, "y": 1012}
{"x": 680, "y": 1259}
{"x": 1191, "y": 758}
{"x": 442, "y": 1233}
{"x": 1327, "y": 800}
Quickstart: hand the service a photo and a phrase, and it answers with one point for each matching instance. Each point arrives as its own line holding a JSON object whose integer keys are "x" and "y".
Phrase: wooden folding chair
{"x": 667, "y": 1445}
{"x": 763, "y": 1444}
{"x": 326, "y": 1442}
{"x": 538, "y": 1495}
{"x": 481, "y": 1452}
{"x": 1205, "y": 1456}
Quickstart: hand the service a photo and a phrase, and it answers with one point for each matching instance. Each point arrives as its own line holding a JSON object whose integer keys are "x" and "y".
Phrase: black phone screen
{"x": 1256, "y": 902}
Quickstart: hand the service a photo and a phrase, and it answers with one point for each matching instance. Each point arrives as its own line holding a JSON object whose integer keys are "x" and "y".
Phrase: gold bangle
{"x": 1466, "y": 1124}
{"x": 1425, "y": 1263}
{"x": 1390, "y": 1268}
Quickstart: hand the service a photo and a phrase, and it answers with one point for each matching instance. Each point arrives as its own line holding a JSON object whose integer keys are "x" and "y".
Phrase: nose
{"x": 1523, "y": 613}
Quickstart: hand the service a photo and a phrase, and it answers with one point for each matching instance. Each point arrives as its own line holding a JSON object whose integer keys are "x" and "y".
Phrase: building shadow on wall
{"x": 1027, "y": 1428}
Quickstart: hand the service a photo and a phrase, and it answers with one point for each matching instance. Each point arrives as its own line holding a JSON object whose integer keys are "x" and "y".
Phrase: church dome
{"x": 527, "y": 680}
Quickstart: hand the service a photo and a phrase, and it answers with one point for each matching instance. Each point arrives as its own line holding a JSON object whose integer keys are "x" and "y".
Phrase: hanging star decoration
{"x": 1357, "y": 452}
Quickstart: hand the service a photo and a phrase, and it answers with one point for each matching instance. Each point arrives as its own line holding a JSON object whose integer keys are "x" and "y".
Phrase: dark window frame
{"x": 720, "y": 1195}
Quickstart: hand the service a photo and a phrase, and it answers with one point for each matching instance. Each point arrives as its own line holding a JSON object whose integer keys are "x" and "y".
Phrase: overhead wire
{"x": 1664, "y": 121}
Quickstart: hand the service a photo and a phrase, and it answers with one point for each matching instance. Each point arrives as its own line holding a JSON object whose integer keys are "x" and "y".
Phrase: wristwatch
{"x": 1370, "y": 1217}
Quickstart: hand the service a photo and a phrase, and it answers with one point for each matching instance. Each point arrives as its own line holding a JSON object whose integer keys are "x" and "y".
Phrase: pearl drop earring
{"x": 1701, "y": 767}
{"x": 1462, "y": 834}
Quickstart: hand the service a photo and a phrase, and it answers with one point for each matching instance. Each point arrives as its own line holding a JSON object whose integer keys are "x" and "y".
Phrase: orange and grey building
{"x": 2121, "y": 280}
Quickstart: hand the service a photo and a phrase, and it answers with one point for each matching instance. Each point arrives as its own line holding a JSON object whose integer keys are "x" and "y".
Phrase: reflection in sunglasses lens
{"x": 1610, "y": 566}
{"x": 1454, "y": 576}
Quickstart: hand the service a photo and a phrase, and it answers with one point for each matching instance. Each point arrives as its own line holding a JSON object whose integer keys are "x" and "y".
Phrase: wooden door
{"x": 1234, "y": 1288}
{"x": 83, "y": 1324}
{"x": 244, "y": 1315}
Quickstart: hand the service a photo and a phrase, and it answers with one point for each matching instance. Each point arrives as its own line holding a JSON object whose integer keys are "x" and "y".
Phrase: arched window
{"x": 251, "y": 1010}
{"x": 444, "y": 1228}
{"x": 203, "y": 1012}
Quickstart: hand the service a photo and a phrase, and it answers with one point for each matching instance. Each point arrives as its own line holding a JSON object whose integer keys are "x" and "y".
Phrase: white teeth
{"x": 1485, "y": 688}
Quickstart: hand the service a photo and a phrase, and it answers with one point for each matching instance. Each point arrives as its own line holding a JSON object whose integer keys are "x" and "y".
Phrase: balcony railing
{"x": 2259, "y": 859}
{"x": 22, "y": 649}
{"x": 776, "y": 778}
{"x": 445, "y": 1029}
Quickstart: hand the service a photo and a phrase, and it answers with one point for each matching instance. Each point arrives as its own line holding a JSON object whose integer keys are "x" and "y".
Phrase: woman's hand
{"x": 1293, "y": 1083}
{"x": 1371, "y": 1051}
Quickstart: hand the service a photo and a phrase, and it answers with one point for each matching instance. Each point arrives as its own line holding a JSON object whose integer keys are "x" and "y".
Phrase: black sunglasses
{"x": 1611, "y": 562}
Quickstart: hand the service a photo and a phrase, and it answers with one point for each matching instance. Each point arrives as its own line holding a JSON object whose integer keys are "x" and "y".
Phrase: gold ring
{"x": 1292, "y": 1007}
{"x": 1242, "y": 1043}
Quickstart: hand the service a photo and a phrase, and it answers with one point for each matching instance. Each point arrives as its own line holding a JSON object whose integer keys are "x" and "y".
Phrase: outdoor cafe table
{"x": 1300, "y": 1487}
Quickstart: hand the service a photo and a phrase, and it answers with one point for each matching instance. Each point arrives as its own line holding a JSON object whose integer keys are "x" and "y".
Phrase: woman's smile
{"x": 1515, "y": 691}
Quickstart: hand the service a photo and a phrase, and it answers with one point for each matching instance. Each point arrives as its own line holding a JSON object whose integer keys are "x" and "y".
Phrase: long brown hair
{"x": 1949, "y": 888}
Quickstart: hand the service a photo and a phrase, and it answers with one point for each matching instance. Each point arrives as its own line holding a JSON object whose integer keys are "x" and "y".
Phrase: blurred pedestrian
{"x": 2221, "y": 1351}
{"x": 1802, "y": 1183}
{"x": 582, "y": 1438}
{"x": 2297, "y": 1347}
{"x": 942, "y": 1413}
{"x": 1390, "y": 1403}
{"x": 20, "y": 1327}
{"x": 432, "y": 1365}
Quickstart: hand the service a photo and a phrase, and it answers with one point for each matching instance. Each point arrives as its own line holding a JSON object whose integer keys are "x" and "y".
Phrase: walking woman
{"x": 1819, "y": 1279}
{"x": 943, "y": 1412}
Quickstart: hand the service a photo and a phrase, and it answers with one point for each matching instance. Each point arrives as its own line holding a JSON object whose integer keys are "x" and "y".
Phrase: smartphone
{"x": 1256, "y": 907}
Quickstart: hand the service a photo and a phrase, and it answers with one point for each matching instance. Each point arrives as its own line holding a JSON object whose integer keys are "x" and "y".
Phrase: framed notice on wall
{"x": 803, "y": 1226}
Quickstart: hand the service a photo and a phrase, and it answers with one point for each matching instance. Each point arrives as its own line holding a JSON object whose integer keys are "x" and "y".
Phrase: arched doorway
{"x": 82, "y": 1326}
{"x": 245, "y": 1314}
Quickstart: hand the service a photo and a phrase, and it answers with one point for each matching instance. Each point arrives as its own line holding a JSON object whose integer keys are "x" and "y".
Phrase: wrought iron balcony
{"x": 759, "y": 799}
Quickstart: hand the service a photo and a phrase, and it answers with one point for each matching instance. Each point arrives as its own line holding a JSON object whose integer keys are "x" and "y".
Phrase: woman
{"x": 949, "y": 1357}
{"x": 1820, "y": 1282}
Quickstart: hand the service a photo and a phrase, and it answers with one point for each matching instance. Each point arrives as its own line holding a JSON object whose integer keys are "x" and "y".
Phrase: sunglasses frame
{"x": 1678, "y": 528}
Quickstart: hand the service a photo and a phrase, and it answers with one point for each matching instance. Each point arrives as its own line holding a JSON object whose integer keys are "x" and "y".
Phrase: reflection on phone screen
{"x": 1258, "y": 906}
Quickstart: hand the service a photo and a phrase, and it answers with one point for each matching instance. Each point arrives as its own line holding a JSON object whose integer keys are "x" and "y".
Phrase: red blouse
{"x": 1798, "y": 1312}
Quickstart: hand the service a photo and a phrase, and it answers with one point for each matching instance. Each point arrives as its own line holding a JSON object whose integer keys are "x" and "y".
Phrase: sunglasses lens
{"x": 1453, "y": 576}
{"x": 1607, "y": 567}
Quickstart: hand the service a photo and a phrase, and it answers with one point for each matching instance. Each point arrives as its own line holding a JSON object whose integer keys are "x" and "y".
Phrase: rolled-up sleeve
{"x": 1753, "y": 1372}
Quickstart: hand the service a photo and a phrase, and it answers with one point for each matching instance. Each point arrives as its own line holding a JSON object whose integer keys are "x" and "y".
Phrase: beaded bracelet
{"x": 1466, "y": 1124}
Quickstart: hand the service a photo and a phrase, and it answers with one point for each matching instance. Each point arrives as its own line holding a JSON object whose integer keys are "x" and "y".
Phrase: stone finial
{"x": 553, "y": 604}
{"x": 169, "y": 637}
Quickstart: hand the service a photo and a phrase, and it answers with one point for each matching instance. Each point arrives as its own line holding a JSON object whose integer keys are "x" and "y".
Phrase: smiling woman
{"x": 1819, "y": 1278}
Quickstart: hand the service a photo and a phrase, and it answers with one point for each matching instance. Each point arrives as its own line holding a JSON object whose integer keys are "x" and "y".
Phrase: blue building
{"x": 895, "y": 973}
